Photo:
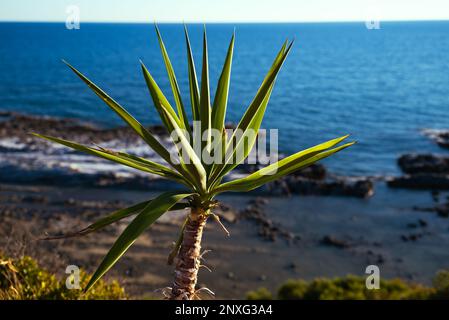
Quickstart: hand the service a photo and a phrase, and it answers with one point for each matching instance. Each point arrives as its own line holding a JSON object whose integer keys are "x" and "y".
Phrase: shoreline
{"x": 310, "y": 224}
{"x": 30, "y": 160}
{"x": 322, "y": 240}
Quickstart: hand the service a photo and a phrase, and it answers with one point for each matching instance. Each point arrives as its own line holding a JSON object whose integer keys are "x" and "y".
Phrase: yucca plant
{"x": 202, "y": 181}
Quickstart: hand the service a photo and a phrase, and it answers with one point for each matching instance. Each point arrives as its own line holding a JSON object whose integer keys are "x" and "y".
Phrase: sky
{"x": 225, "y": 10}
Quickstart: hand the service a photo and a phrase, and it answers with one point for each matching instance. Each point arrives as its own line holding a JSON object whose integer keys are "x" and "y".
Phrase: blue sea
{"x": 383, "y": 86}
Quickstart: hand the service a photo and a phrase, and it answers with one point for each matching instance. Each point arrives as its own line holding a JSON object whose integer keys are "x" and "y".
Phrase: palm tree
{"x": 202, "y": 181}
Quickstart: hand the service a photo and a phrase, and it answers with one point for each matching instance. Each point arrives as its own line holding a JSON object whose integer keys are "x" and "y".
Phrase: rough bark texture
{"x": 188, "y": 260}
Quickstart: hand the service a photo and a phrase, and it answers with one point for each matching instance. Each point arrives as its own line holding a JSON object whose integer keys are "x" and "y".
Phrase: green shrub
{"x": 260, "y": 294}
{"x": 441, "y": 285}
{"x": 24, "y": 279}
{"x": 354, "y": 288}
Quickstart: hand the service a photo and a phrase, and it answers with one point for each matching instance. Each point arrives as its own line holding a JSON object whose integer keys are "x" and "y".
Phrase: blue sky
{"x": 225, "y": 10}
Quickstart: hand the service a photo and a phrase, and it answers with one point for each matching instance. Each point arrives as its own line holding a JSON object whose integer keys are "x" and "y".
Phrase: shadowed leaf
{"x": 112, "y": 218}
{"x": 141, "y": 222}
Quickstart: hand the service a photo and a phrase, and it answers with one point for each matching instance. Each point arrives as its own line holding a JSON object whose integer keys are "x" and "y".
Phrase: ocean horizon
{"x": 386, "y": 87}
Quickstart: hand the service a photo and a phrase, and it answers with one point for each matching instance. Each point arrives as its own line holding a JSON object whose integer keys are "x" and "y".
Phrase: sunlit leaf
{"x": 283, "y": 167}
{"x": 129, "y": 119}
{"x": 205, "y": 109}
{"x": 193, "y": 82}
{"x": 173, "y": 83}
{"x": 121, "y": 158}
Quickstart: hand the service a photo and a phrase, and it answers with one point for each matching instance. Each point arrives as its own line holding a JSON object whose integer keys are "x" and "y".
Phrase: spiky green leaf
{"x": 193, "y": 81}
{"x": 141, "y": 222}
{"x": 112, "y": 218}
{"x": 221, "y": 94}
{"x": 173, "y": 82}
{"x": 121, "y": 158}
{"x": 159, "y": 98}
{"x": 284, "y": 167}
{"x": 187, "y": 155}
{"x": 244, "y": 137}
{"x": 205, "y": 109}
{"x": 129, "y": 119}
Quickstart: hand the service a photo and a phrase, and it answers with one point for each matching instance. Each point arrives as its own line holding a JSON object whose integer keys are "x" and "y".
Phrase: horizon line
{"x": 228, "y": 22}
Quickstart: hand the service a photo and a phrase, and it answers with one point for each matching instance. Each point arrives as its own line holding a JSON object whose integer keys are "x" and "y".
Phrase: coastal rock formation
{"x": 27, "y": 159}
{"x": 441, "y": 209}
{"x": 315, "y": 180}
{"x": 268, "y": 229}
{"x": 424, "y": 163}
{"x": 423, "y": 171}
{"x": 440, "y": 137}
{"x": 421, "y": 181}
{"x": 341, "y": 186}
{"x": 330, "y": 240}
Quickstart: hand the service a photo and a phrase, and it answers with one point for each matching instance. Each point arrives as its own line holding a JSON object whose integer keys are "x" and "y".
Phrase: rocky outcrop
{"x": 315, "y": 180}
{"x": 423, "y": 171}
{"x": 440, "y": 137}
{"x": 332, "y": 241}
{"x": 424, "y": 163}
{"x": 28, "y": 159}
{"x": 342, "y": 186}
{"x": 421, "y": 181}
{"x": 268, "y": 229}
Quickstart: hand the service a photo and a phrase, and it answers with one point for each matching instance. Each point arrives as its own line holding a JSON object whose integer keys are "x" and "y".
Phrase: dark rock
{"x": 259, "y": 201}
{"x": 421, "y": 181}
{"x": 435, "y": 195}
{"x": 443, "y": 210}
{"x": 332, "y": 241}
{"x": 314, "y": 172}
{"x": 268, "y": 230}
{"x": 422, "y": 223}
{"x": 291, "y": 266}
{"x": 423, "y": 171}
{"x": 411, "y": 237}
{"x": 35, "y": 199}
{"x": 361, "y": 188}
{"x": 424, "y": 163}
{"x": 441, "y": 138}
{"x": 380, "y": 259}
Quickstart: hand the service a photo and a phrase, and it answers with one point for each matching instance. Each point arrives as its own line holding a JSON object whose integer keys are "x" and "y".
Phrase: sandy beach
{"x": 310, "y": 237}
{"x": 307, "y": 226}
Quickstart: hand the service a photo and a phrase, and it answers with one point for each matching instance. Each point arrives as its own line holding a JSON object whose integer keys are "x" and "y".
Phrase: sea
{"x": 387, "y": 87}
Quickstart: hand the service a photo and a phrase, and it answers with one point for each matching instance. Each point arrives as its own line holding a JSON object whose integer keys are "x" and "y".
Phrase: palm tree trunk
{"x": 188, "y": 260}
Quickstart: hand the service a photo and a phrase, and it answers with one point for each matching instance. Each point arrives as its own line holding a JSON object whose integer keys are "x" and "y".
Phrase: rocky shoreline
{"x": 54, "y": 165}
{"x": 27, "y": 159}
{"x": 422, "y": 171}
{"x": 440, "y": 137}
{"x": 287, "y": 219}
{"x": 426, "y": 172}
